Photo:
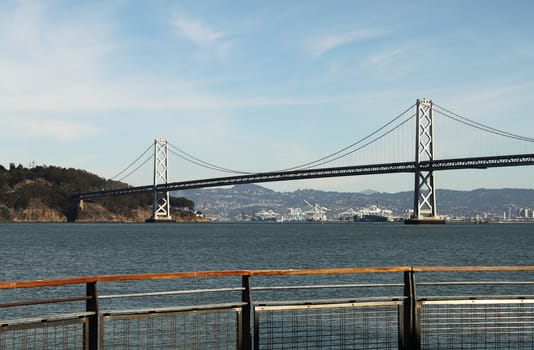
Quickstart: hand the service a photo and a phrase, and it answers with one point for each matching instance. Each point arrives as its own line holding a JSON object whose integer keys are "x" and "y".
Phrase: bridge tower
{"x": 161, "y": 210}
{"x": 425, "y": 191}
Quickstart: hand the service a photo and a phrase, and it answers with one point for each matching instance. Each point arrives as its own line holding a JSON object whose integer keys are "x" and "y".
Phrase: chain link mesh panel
{"x": 341, "y": 326}
{"x": 213, "y": 329}
{"x": 477, "y": 324}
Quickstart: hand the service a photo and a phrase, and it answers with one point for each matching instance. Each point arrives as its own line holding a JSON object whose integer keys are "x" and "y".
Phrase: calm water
{"x": 46, "y": 251}
{"x": 42, "y": 251}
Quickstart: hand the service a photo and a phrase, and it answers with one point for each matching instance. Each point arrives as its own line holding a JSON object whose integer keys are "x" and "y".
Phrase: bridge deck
{"x": 301, "y": 174}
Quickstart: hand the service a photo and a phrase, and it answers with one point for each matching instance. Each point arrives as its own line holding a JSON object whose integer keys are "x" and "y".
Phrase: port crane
{"x": 316, "y": 212}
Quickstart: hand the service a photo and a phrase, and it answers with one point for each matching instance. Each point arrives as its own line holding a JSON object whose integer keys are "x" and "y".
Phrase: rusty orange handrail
{"x": 237, "y": 273}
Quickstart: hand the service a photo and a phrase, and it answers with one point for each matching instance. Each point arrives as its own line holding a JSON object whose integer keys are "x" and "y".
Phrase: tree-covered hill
{"x": 43, "y": 193}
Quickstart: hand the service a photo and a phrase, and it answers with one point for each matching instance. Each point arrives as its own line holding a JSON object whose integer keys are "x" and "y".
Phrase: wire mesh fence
{"x": 477, "y": 324}
{"x": 195, "y": 329}
{"x": 44, "y": 335}
{"x": 452, "y": 308}
{"x": 373, "y": 325}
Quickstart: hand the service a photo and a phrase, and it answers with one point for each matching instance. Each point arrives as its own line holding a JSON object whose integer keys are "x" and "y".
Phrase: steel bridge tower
{"x": 161, "y": 210}
{"x": 424, "y": 191}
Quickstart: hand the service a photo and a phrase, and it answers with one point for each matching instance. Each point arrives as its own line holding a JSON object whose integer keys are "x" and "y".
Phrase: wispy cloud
{"x": 56, "y": 67}
{"x": 49, "y": 65}
{"x": 197, "y": 31}
{"x": 332, "y": 42}
{"x": 40, "y": 56}
{"x": 21, "y": 25}
{"x": 384, "y": 59}
{"x": 498, "y": 99}
{"x": 202, "y": 34}
{"x": 52, "y": 130}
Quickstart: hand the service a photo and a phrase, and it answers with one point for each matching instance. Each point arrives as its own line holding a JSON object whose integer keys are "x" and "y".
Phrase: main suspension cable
{"x": 323, "y": 160}
{"x": 366, "y": 144}
{"x": 131, "y": 164}
{"x": 137, "y": 168}
{"x": 466, "y": 121}
{"x": 345, "y": 151}
{"x": 194, "y": 160}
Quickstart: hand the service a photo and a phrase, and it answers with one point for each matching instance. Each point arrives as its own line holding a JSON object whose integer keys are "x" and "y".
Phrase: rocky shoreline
{"x": 38, "y": 212}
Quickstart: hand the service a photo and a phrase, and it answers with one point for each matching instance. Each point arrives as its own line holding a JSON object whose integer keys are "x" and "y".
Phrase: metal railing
{"x": 356, "y": 308}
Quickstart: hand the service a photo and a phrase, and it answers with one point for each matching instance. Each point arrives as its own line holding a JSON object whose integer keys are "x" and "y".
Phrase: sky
{"x": 255, "y": 85}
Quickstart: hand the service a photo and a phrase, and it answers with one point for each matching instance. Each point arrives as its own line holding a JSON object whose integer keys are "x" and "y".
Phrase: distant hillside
{"x": 43, "y": 194}
{"x": 244, "y": 200}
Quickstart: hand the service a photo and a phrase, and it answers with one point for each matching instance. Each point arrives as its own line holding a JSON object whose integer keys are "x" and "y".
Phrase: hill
{"x": 241, "y": 202}
{"x": 43, "y": 194}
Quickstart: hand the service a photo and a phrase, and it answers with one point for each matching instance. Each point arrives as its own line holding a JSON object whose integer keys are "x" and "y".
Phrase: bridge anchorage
{"x": 424, "y": 208}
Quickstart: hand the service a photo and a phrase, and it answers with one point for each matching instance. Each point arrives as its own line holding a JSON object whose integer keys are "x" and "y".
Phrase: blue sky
{"x": 255, "y": 85}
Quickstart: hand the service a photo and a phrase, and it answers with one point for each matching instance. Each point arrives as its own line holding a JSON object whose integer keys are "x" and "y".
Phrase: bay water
{"x": 47, "y": 251}
{"x": 44, "y": 251}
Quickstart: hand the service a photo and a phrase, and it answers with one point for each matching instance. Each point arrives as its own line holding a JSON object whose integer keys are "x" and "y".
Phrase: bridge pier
{"x": 161, "y": 211}
{"x": 424, "y": 190}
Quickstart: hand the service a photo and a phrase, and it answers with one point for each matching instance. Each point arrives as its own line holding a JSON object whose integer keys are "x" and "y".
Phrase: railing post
{"x": 91, "y": 305}
{"x": 245, "y": 340}
{"x": 410, "y": 334}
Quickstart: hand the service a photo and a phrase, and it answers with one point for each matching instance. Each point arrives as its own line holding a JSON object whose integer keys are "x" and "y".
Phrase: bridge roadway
{"x": 372, "y": 169}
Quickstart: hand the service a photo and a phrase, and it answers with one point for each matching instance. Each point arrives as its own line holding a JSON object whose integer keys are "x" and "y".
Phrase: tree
{"x": 182, "y": 202}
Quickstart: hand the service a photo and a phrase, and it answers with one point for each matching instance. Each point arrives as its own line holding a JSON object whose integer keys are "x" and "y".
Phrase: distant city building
{"x": 266, "y": 215}
{"x": 295, "y": 214}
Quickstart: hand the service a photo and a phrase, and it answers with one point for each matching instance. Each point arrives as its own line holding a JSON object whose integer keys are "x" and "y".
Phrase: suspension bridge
{"x": 422, "y": 166}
